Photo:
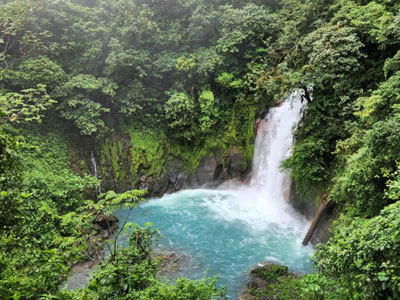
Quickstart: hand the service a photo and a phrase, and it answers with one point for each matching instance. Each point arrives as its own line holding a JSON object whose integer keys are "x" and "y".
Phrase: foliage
{"x": 29, "y": 105}
{"x": 113, "y": 59}
{"x": 41, "y": 235}
{"x": 108, "y": 203}
{"x": 37, "y": 70}
{"x": 180, "y": 112}
{"x": 10, "y": 161}
{"x": 130, "y": 270}
{"x": 242, "y": 25}
{"x": 197, "y": 71}
{"x": 308, "y": 161}
{"x": 371, "y": 153}
{"x": 285, "y": 288}
{"x": 363, "y": 255}
{"x": 228, "y": 80}
{"x": 18, "y": 38}
{"x": 130, "y": 274}
{"x": 332, "y": 53}
{"x": 77, "y": 104}
{"x": 208, "y": 111}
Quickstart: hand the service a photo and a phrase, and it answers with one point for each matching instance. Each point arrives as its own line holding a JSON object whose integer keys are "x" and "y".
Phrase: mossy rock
{"x": 270, "y": 272}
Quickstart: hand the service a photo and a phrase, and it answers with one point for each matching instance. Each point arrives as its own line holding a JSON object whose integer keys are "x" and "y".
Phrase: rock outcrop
{"x": 261, "y": 278}
{"x": 211, "y": 171}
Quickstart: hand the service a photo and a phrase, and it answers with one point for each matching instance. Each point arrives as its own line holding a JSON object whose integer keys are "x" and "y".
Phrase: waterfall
{"x": 273, "y": 144}
{"x": 263, "y": 203}
{"x": 96, "y": 174}
{"x": 229, "y": 230}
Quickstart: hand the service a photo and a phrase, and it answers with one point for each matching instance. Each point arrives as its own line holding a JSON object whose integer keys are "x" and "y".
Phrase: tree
{"x": 19, "y": 38}
{"x": 82, "y": 97}
{"x": 180, "y": 114}
{"x": 36, "y": 70}
{"x": 29, "y": 105}
{"x": 363, "y": 256}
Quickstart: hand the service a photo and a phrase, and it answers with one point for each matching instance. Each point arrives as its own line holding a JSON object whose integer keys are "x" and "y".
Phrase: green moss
{"x": 114, "y": 158}
{"x": 150, "y": 149}
{"x": 147, "y": 152}
{"x": 239, "y": 133}
{"x": 285, "y": 288}
{"x": 270, "y": 272}
{"x": 278, "y": 283}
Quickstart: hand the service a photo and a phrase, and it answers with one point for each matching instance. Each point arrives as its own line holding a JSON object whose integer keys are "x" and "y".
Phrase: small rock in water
{"x": 171, "y": 263}
{"x": 261, "y": 276}
{"x": 270, "y": 271}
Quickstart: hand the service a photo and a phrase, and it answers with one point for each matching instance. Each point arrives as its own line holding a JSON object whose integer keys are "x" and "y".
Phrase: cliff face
{"x": 133, "y": 159}
{"x": 146, "y": 160}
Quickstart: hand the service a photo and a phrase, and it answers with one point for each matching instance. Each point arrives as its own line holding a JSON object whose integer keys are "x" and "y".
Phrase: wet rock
{"x": 81, "y": 273}
{"x": 308, "y": 205}
{"x": 161, "y": 186}
{"x": 181, "y": 180}
{"x": 168, "y": 261}
{"x": 80, "y": 276}
{"x": 261, "y": 277}
{"x": 97, "y": 227}
{"x": 218, "y": 172}
{"x": 237, "y": 165}
{"x": 305, "y": 204}
{"x": 205, "y": 173}
{"x": 269, "y": 272}
{"x": 172, "y": 169}
{"x": 172, "y": 264}
{"x": 263, "y": 114}
{"x": 144, "y": 182}
{"x": 323, "y": 231}
{"x": 252, "y": 285}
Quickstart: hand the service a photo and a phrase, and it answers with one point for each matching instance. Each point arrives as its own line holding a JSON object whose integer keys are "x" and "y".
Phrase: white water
{"x": 96, "y": 174}
{"x": 229, "y": 230}
{"x": 264, "y": 201}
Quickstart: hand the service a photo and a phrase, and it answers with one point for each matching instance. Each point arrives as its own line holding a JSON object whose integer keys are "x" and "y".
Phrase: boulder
{"x": 261, "y": 278}
{"x": 270, "y": 272}
{"x": 171, "y": 263}
{"x": 181, "y": 180}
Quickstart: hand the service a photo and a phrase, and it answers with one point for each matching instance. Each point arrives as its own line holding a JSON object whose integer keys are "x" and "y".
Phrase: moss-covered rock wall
{"x": 132, "y": 157}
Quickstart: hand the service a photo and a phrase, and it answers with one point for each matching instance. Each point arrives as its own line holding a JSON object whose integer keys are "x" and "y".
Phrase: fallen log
{"x": 323, "y": 207}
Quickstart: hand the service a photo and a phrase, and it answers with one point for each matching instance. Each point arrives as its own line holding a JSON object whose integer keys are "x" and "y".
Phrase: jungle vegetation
{"x": 79, "y": 69}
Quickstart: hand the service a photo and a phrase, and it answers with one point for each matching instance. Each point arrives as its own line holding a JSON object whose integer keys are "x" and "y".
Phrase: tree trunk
{"x": 323, "y": 207}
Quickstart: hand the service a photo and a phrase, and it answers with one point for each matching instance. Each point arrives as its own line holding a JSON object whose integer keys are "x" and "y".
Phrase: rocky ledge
{"x": 80, "y": 273}
{"x": 268, "y": 281}
{"x": 171, "y": 264}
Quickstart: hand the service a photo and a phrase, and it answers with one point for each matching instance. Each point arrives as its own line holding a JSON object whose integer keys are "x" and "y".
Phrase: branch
{"x": 119, "y": 232}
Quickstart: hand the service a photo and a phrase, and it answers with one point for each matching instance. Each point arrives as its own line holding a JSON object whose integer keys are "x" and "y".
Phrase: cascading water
{"x": 96, "y": 174}
{"x": 273, "y": 143}
{"x": 263, "y": 200}
{"x": 226, "y": 232}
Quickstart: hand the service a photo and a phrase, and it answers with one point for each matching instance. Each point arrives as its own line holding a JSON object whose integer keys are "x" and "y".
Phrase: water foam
{"x": 263, "y": 203}
{"x": 231, "y": 229}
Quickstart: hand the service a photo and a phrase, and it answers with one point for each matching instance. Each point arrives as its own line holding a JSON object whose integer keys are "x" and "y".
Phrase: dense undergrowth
{"x": 181, "y": 78}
